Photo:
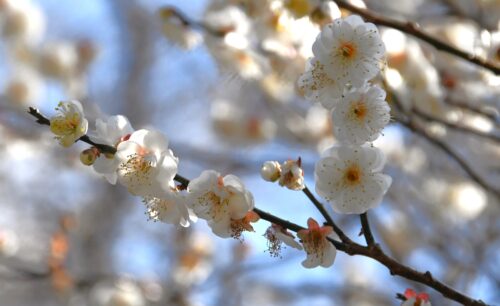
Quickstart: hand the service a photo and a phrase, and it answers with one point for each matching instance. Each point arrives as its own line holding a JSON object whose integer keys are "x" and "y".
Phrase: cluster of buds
{"x": 289, "y": 174}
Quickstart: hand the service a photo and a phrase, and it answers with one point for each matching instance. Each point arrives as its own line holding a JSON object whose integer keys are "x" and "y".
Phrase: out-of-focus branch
{"x": 170, "y": 11}
{"x": 413, "y": 29}
{"x": 474, "y": 109}
{"x": 416, "y": 127}
{"x": 456, "y": 126}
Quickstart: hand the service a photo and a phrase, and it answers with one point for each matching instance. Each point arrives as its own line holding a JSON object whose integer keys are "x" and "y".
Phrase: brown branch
{"x": 367, "y": 232}
{"x": 414, "y": 30}
{"x": 41, "y": 119}
{"x": 326, "y": 215}
{"x": 372, "y": 250}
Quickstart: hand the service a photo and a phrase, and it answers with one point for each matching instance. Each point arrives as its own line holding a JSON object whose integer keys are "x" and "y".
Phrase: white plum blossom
{"x": 320, "y": 252}
{"x": 69, "y": 124}
{"x": 414, "y": 299}
{"x": 146, "y": 165}
{"x": 270, "y": 171}
{"x": 317, "y": 86}
{"x": 350, "y": 49}
{"x": 110, "y": 132}
{"x": 292, "y": 175}
{"x": 223, "y": 201}
{"x": 361, "y": 115}
{"x": 276, "y": 235}
{"x": 169, "y": 208}
{"x": 349, "y": 177}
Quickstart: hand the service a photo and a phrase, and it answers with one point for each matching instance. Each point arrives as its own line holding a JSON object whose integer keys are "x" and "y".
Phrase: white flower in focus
{"x": 318, "y": 86}
{"x": 414, "y": 299}
{"x": 350, "y": 49}
{"x": 276, "y": 235}
{"x": 223, "y": 201}
{"x": 320, "y": 252}
{"x": 270, "y": 171}
{"x": 361, "y": 115}
{"x": 349, "y": 177}
{"x": 169, "y": 208}
{"x": 146, "y": 166}
{"x": 292, "y": 175}
{"x": 110, "y": 132}
{"x": 69, "y": 124}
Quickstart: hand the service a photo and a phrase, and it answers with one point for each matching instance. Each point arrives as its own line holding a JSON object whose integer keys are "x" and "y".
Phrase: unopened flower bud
{"x": 88, "y": 156}
{"x": 292, "y": 176}
{"x": 270, "y": 171}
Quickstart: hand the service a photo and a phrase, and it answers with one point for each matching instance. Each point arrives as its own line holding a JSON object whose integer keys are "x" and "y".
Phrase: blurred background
{"x": 219, "y": 78}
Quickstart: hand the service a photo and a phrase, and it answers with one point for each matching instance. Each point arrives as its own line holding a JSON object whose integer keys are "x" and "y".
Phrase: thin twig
{"x": 367, "y": 232}
{"x": 414, "y": 30}
{"x": 395, "y": 268}
{"x": 326, "y": 215}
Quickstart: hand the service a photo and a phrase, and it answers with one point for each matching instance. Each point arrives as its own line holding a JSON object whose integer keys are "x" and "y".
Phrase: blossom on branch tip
{"x": 320, "y": 252}
{"x": 69, "y": 124}
{"x": 414, "y": 299}
{"x": 349, "y": 177}
{"x": 223, "y": 201}
{"x": 146, "y": 165}
{"x": 361, "y": 115}
{"x": 270, "y": 171}
{"x": 350, "y": 49}
{"x": 277, "y": 235}
{"x": 292, "y": 175}
{"x": 110, "y": 132}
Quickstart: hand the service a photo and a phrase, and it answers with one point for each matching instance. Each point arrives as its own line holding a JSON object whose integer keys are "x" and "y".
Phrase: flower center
{"x": 214, "y": 205}
{"x": 314, "y": 242}
{"x": 359, "y": 110}
{"x": 352, "y": 175}
{"x": 347, "y": 50}
{"x": 65, "y": 125}
{"x": 137, "y": 168}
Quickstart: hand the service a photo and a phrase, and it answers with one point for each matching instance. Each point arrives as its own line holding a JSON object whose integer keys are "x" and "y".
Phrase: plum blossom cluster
{"x": 347, "y": 54}
{"x": 142, "y": 162}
